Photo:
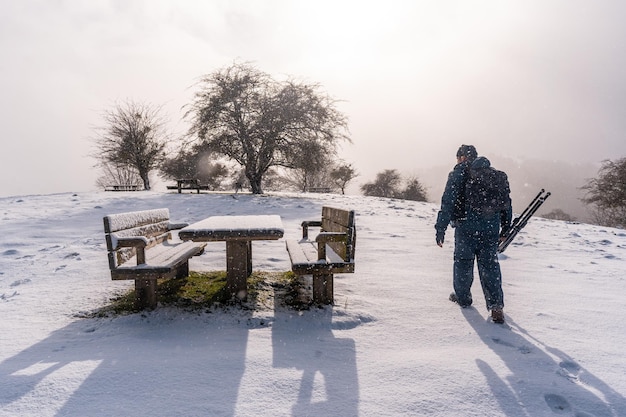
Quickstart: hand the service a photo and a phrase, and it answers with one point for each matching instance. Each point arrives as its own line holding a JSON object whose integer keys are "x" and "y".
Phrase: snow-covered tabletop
{"x": 255, "y": 227}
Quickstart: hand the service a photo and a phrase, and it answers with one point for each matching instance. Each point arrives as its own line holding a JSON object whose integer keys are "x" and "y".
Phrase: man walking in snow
{"x": 476, "y": 203}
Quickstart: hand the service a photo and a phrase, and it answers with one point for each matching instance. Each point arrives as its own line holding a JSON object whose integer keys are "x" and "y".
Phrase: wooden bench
{"x": 320, "y": 190}
{"x": 188, "y": 184}
{"x": 140, "y": 248}
{"x": 125, "y": 187}
{"x": 331, "y": 252}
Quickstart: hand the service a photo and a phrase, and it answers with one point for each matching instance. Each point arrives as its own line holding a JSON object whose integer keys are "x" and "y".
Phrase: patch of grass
{"x": 294, "y": 293}
{"x": 204, "y": 290}
{"x": 199, "y": 289}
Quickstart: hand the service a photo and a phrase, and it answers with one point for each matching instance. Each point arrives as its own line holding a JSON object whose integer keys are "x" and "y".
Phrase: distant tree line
{"x": 558, "y": 214}
{"x": 389, "y": 183}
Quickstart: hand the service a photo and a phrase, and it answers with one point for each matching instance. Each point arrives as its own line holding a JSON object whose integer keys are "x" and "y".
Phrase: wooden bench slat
{"x": 335, "y": 217}
{"x": 161, "y": 259}
{"x": 152, "y": 232}
{"x": 303, "y": 256}
{"x": 120, "y": 221}
{"x": 301, "y": 253}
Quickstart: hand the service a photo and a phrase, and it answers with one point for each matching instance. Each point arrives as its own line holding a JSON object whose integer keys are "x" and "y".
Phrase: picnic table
{"x": 238, "y": 232}
{"x": 188, "y": 184}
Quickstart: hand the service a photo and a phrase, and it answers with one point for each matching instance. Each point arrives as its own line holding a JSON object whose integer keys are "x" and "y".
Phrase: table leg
{"x": 249, "y": 250}
{"x": 238, "y": 267}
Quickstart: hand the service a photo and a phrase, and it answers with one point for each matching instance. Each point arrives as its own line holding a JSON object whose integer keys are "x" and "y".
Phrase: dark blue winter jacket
{"x": 453, "y": 199}
{"x": 478, "y": 221}
{"x": 453, "y": 207}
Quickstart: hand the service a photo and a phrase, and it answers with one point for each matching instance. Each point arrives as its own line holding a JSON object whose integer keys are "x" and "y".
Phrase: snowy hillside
{"x": 393, "y": 345}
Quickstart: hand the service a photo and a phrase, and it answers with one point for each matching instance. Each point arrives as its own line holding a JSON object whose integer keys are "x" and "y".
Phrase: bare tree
{"x": 133, "y": 135}
{"x": 341, "y": 175}
{"x": 113, "y": 174}
{"x": 607, "y": 194}
{"x": 387, "y": 184}
{"x": 308, "y": 168}
{"x": 260, "y": 123}
{"x": 414, "y": 190}
{"x": 197, "y": 163}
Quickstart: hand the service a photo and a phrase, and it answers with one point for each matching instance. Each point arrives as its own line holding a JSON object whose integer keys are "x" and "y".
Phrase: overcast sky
{"x": 523, "y": 79}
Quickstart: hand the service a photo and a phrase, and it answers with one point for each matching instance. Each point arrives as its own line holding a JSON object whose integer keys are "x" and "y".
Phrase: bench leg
{"x": 145, "y": 293}
{"x": 249, "y": 260}
{"x": 183, "y": 270}
{"x": 323, "y": 288}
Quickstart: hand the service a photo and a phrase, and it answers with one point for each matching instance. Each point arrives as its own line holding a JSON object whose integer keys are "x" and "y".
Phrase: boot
{"x": 497, "y": 315}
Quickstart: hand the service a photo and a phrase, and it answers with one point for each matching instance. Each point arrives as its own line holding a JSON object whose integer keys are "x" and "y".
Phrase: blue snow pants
{"x": 478, "y": 241}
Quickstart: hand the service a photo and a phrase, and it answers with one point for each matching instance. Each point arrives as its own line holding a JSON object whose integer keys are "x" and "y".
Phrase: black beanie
{"x": 467, "y": 150}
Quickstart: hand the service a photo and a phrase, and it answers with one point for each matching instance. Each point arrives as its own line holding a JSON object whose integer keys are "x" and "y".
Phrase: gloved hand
{"x": 440, "y": 235}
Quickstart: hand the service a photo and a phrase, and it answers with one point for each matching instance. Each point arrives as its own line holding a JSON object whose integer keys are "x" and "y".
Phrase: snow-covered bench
{"x": 123, "y": 187}
{"x": 319, "y": 189}
{"x": 331, "y": 252}
{"x": 140, "y": 248}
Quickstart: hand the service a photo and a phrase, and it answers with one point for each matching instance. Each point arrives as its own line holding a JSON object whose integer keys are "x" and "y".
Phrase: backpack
{"x": 486, "y": 191}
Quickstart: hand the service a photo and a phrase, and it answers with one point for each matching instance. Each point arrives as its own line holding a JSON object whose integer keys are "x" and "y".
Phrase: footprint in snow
{"x": 502, "y": 342}
{"x": 20, "y": 282}
{"x": 5, "y": 297}
{"x": 522, "y": 349}
{"x": 557, "y": 403}
{"x": 50, "y": 248}
{"x": 569, "y": 370}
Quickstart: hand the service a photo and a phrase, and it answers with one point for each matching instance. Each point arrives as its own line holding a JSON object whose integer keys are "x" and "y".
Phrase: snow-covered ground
{"x": 393, "y": 345}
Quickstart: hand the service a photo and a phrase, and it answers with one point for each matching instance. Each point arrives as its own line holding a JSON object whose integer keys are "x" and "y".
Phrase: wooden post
{"x": 145, "y": 293}
{"x": 237, "y": 264}
{"x": 249, "y": 252}
{"x": 323, "y": 288}
{"x": 183, "y": 270}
